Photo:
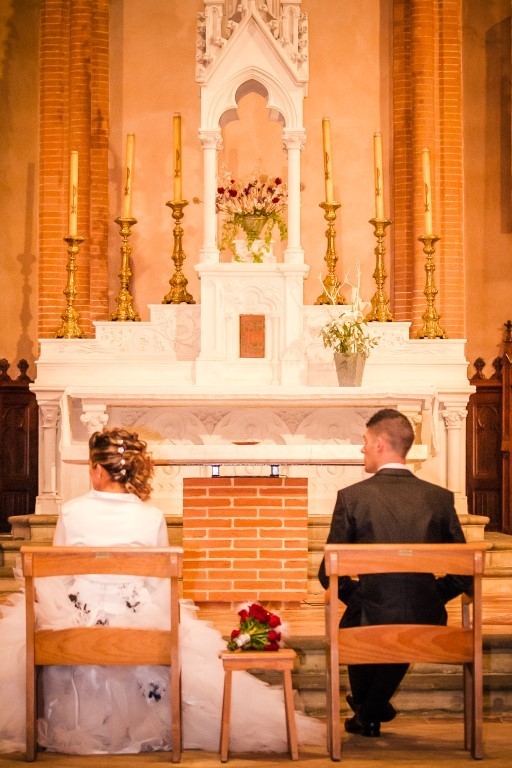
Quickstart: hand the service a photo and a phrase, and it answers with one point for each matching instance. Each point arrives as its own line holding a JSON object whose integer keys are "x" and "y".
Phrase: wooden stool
{"x": 280, "y": 660}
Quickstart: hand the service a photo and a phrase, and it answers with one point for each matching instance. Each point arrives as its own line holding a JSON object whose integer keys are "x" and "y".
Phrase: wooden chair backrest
{"x": 405, "y": 643}
{"x": 102, "y": 645}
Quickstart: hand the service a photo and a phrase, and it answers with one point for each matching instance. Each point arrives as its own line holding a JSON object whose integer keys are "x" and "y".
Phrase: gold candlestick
{"x": 178, "y": 282}
{"x": 380, "y": 302}
{"x": 125, "y": 310}
{"x": 70, "y": 328}
{"x": 431, "y": 328}
{"x": 331, "y": 283}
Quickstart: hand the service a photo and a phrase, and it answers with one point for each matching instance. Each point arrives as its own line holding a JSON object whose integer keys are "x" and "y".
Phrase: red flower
{"x": 255, "y": 630}
{"x": 220, "y": 190}
{"x": 259, "y": 613}
{"x": 278, "y": 181}
{"x": 233, "y": 193}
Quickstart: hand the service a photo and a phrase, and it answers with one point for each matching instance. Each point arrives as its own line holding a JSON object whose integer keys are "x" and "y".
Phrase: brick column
{"x": 73, "y": 115}
{"x": 427, "y": 112}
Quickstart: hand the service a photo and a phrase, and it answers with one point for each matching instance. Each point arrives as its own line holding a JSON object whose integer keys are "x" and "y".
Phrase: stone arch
{"x": 281, "y": 106}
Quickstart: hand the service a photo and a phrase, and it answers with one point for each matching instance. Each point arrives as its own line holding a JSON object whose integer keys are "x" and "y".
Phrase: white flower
{"x": 347, "y": 331}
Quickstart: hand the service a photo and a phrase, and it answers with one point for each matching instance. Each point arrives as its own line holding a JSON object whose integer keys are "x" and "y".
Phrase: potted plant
{"x": 255, "y": 206}
{"x": 347, "y": 334}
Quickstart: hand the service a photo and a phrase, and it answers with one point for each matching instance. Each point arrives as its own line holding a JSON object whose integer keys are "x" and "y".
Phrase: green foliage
{"x": 244, "y": 222}
{"x": 348, "y": 336}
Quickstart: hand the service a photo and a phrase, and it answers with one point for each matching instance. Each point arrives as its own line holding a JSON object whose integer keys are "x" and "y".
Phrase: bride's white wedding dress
{"x": 125, "y": 709}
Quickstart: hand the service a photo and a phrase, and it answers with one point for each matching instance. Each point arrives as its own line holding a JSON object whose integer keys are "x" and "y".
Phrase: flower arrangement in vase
{"x": 255, "y": 206}
{"x": 347, "y": 334}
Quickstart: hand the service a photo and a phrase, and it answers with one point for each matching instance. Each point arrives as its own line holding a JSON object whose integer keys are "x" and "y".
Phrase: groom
{"x": 393, "y": 506}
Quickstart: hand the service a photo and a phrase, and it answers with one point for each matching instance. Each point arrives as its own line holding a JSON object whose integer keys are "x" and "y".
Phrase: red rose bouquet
{"x": 257, "y": 630}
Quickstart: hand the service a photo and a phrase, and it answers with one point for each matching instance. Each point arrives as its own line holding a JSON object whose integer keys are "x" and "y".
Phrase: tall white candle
{"x": 73, "y": 194}
{"x": 128, "y": 176}
{"x": 379, "y": 184}
{"x": 177, "y": 156}
{"x": 327, "y": 147}
{"x": 427, "y": 191}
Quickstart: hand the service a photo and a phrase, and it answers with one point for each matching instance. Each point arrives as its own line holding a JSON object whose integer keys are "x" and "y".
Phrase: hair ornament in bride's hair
{"x": 121, "y": 450}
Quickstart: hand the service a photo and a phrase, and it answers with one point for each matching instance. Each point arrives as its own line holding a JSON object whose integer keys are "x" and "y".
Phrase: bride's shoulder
{"x": 78, "y": 502}
{"x": 151, "y": 509}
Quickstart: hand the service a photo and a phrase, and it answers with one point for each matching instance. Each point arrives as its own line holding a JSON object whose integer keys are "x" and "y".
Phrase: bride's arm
{"x": 163, "y": 536}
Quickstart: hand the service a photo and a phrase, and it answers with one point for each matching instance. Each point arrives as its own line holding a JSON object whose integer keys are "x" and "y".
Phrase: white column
{"x": 211, "y": 142}
{"x": 49, "y": 421}
{"x": 455, "y": 425}
{"x": 294, "y": 142}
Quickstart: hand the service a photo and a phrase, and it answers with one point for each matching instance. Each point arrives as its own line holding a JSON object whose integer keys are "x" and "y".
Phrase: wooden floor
{"x": 408, "y": 742}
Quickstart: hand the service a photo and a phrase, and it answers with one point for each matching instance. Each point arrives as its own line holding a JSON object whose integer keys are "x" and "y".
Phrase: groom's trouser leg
{"x": 373, "y": 685}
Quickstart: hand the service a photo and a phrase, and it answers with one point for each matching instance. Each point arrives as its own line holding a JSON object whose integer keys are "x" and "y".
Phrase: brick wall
{"x": 245, "y": 538}
{"x": 427, "y": 112}
{"x": 74, "y": 103}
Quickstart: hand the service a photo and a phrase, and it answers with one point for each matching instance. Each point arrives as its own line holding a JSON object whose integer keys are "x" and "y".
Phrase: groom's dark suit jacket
{"x": 394, "y": 506}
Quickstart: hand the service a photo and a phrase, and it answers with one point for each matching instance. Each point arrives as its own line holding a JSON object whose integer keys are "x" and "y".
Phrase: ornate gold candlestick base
{"x": 178, "y": 282}
{"x": 124, "y": 300}
{"x": 380, "y": 302}
{"x": 331, "y": 293}
{"x": 70, "y": 328}
{"x": 430, "y": 328}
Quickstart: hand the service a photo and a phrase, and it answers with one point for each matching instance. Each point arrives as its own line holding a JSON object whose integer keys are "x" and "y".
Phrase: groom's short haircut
{"x": 395, "y": 427}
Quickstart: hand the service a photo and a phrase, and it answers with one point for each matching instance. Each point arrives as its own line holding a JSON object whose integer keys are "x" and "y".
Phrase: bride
{"x": 96, "y": 709}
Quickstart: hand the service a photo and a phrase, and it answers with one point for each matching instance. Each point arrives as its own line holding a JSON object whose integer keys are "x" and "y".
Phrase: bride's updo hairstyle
{"x": 125, "y": 458}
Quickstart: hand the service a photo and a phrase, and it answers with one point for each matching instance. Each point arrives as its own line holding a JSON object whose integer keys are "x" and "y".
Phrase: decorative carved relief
{"x": 280, "y": 426}
{"x": 287, "y": 26}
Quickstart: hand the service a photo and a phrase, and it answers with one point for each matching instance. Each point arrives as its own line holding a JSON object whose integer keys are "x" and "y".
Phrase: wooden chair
{"x": 103, "y": 645}
{"x": 407, "y": 643}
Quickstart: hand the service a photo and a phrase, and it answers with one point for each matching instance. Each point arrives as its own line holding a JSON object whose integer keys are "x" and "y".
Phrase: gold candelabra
{"x": 430, "y": 328}
{"x": 380, "y": 302}
{"x": 125, "y": 310}
{"x": 331, "y": 283}
{"x": 178, "y": 282}
{"x": 70, "y": 328}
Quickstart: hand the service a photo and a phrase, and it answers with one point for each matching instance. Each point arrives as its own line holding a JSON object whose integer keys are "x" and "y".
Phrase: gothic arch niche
{"x": 252, "y": 140}
{"x": 252, "y": 135}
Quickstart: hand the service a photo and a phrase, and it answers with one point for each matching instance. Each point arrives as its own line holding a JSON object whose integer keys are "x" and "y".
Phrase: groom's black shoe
{"x": 363, "y": 727}
{"x": 387, "y": 716}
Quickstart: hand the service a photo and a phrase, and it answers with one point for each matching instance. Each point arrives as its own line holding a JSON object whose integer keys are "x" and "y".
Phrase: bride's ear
{"x": 96, "y": 475}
